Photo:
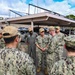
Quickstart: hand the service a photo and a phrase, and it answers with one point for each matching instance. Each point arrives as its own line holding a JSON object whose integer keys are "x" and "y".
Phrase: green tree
{"x": 71, "y": 16}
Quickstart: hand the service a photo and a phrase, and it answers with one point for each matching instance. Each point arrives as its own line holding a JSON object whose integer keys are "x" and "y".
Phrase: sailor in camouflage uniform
{"x": 42, "y": 45}
{"x": 13, "y": 61}
{"x": 66, "y": 66}
{"x": 52, "y": 52}
{"x": 60, "y": 37}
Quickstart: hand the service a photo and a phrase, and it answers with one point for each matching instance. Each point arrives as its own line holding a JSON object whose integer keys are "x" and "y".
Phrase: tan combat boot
{"x": 38, "y": 69}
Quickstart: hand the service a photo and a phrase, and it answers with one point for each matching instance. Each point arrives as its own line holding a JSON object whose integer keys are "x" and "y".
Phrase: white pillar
{"x": 32, "y": 25}
{"x": 70, "y": 32}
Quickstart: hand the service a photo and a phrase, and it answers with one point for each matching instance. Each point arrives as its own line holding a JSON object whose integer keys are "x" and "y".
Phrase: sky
{"x": 63, "y": 7}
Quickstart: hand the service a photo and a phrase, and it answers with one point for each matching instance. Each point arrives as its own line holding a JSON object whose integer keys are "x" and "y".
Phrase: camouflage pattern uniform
{"x": 64, "y": 67}
{"x": 42, "y": 42}
{"x": 14, "y": 62}
{"x": 50, "y": 37}
{"x": 22, "y": 47}
{"x": 52, "y": 53}
{"x": 2, "y": 44}
{"x": 60, "y": 37}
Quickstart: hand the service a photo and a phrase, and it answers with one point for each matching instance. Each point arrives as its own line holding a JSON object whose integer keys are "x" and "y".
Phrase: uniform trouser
{"x": 50, "y": 62}
{"x": 51, "y": 59}
{"x": 32, "y": 53}
{"x": 42, "y": 63}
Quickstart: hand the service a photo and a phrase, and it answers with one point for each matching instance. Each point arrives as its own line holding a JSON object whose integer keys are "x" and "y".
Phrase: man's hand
{"x": 43, "y": 49}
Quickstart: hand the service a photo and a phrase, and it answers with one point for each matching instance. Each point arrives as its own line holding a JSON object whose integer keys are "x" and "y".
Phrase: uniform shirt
{"x": 60, "y": 37}
{"x": 50, "y": 38}
{"x": 31, "y": 38}
{"x": 42, "y": 41}
{"x": 15, "y": 62}
{"x": 53, "y": 44}
{"x": 64, "y": 67}
{"x": 52, "y": 53}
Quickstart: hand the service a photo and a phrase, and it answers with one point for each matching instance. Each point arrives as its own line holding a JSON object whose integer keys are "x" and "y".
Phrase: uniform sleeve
{"x": 63, "y": 42}
{"x": 54, "y": 70}
{"x": 36, "y": 41}
{"x": 49, "y": 40}
{"x": 53, "y": 45}
{"x": 61, "y": 39}
{"x": 28, "y": 66}
{"x": 59, "y": 68}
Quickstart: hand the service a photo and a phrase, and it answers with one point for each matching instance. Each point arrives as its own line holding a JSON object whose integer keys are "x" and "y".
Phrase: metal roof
{"x": 45, "y": 18}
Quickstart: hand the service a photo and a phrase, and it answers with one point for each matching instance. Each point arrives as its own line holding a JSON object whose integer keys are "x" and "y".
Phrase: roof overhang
{"x": 41, "y": 19}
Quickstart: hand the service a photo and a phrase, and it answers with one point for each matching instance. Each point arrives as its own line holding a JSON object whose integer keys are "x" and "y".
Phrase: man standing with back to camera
{"x": 13, "y": 61}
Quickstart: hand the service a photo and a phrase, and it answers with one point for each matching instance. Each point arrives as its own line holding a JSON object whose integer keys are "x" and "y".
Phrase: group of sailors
{"x": 51, "y": 54}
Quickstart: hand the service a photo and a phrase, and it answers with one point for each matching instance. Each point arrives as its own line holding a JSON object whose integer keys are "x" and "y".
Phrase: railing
{"x": 46, "y": 10}
{"x": 34, "y": 11}
{"x": 18, "y": 13}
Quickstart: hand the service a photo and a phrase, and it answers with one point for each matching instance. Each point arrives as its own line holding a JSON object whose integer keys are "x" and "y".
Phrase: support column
{"x": 70, "y": 32}
{"x": 32, "y": 25}
{"x": 29, "y": 9}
